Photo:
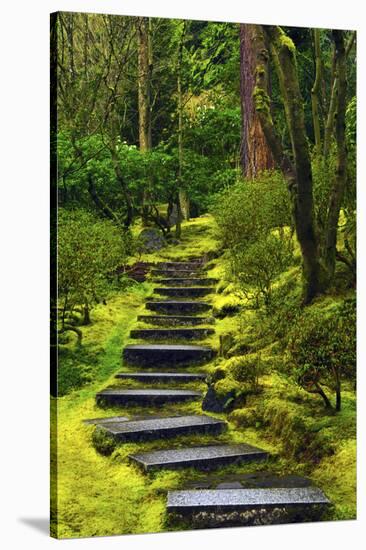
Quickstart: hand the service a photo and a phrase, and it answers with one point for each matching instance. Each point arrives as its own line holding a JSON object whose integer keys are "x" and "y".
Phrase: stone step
{"x": 184, "y": 292}
{"x": 155, "y": 428}
{"x": 174, "y": 320}
{"x": 183, "y": 266}
{"x": 150, "y": 355}
{"x": 227, "y": 500}
{"x": 103, "y": 421}
{"x": 193, "y": 281}
{"x": 115, "y": 396}
{"x": 199, "y": 457}
{"x": 176, "y": 273}
{"x": 178, "y": 307}
{"x": 162, "y": 376}
{"x": 172, "y": 333}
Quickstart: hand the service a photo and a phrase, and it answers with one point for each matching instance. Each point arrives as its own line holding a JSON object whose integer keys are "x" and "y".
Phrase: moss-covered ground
{"x": 105, "y": 495}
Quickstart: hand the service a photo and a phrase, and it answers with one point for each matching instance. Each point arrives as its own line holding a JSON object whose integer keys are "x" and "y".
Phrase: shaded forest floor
{"x": 100, "y": 495}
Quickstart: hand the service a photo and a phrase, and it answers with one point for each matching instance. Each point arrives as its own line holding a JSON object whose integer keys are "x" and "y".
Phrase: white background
{"x": 24, "y": 234}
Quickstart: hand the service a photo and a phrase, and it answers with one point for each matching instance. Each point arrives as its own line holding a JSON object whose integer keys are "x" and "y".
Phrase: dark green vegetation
{"x": 152, "y": 129}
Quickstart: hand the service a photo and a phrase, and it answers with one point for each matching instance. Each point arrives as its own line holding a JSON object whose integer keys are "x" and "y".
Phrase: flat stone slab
{"x": 253, "y": 480}
{"x": 175, "y": 320}
{"x": 176, "y": 307}
{"x": 150, "y": 355}
{"x": 188, "y": 501}
{"x": 175, "y": 273}
{"x": 104, "y": 421}
{"x": 161, "y": 376}
{"x": 193, "y": 281}
{"x": 199, "y": 457}
{"x": 155, "y": 428}
{"x": 185, "y": 292}
{"x": 180, "y": 265}
{"x": 172, "y": 333}
{"x": 112, "y": 396}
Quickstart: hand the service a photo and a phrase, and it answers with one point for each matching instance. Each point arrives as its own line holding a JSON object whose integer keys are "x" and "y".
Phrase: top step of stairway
{"x": 188, "y": 281}
{"x": 184, "y": 266}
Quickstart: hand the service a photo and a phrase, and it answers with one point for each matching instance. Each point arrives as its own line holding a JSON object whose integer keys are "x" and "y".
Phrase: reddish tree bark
{"x": 256, "y": 155}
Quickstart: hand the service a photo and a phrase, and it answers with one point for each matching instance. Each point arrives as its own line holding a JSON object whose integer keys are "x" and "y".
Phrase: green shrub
{"x": 250, "y": 208}
{"x": 252, "y": 218}
{"x": 322, "y": 347}
{"x": 89, "y": 250}
{"x": 256, "y": 267}
{"x": 247, "y": 369}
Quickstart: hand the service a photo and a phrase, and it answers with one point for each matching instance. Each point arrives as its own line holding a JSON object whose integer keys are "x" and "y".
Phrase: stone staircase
{"x": 183, "y": 316}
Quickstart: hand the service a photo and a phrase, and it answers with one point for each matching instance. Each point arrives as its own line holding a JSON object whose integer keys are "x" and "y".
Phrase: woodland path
{"x": 165, "y": 370}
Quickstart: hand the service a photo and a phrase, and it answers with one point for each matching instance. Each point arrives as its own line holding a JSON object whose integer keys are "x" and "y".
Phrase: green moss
{"x": 286, "y": 42}
{"x": 261, "y": 100}
{"x": 244, "y": 418}
{"x": 227, "y": 386}
{"x": 105, "y": 495}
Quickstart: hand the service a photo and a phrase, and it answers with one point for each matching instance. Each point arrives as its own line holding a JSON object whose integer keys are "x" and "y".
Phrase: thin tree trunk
{"x": 299, "y": 174}
{"x": 315, "y": 93}
{"x": 100, "y": 204}
{"x": 126, "y": 193}
{"x": 143, "y": 83}
{"x": 329, "y": 126}
{"x": 340, "y": 179}
{"x": 184, "y": 209}
{"x": 144, "y": 70}
{"x": 256, "y": 155}
{"x": 86, "y": 312}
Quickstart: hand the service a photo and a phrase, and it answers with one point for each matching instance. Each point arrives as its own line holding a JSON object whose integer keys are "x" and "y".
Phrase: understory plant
{"x": 322, "y": 350}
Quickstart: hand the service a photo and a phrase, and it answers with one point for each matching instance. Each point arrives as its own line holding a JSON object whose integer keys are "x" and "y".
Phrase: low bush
{"x": 322, "y": 349}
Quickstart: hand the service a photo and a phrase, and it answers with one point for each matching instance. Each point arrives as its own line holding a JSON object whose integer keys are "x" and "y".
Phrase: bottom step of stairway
{"x": 154, "y": 428}
{"x": 199, "y": 457}
{"x": 226, "y": 500}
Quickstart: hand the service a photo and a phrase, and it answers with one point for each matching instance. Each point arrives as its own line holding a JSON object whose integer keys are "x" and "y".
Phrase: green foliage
{"x": 322, "y": 347}
{"x": 247, "y": 369}
{"x": 89, "y": 249}
{"x": 251, "y": 217}
{"x": 257, "y": 266}
{"x": 250, "y": 208}
{"x": 103, "y": 442}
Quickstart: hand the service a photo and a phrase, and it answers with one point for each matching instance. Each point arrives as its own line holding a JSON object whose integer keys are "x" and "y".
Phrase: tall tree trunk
{"x": 315, "y": 92}
{"x": 256, "y": 155}
{"x": 125, "y": 190}
{"x": 340, "y": 180}
{"x": 184, "y": 207}
{"x": 298, "y": 174}
{"x": 144, "y": 83}
{"x": 144, "y": 73}
{"x": 329, "y": 125}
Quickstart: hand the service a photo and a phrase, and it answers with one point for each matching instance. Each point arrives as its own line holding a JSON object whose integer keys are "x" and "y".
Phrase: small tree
{"x": 257, "y": 266}
{"x": 323, "y": 350}
{"x": 252, "y": 216}
{"x": 88, "y": 250}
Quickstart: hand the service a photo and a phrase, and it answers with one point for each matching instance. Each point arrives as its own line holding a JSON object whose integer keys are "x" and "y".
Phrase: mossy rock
{"x": 226, "y": 310}
{"x": 223, "y": 396}
{"x": 103, "y": 442}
